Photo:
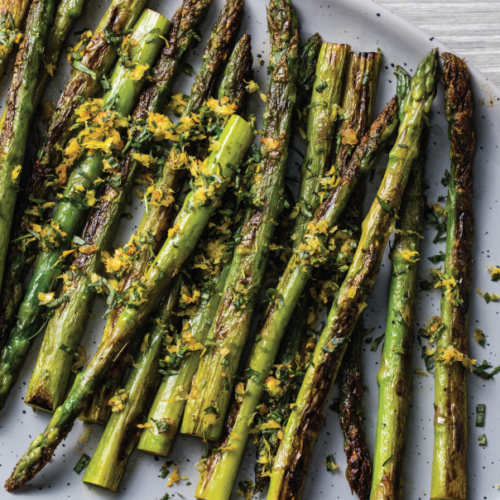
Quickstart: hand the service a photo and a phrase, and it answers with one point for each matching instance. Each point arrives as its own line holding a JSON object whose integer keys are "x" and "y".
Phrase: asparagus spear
{"x": 221, "y": 467}
{"x": 125, "y": 88}
{"x": 169, "y": 402}
{"x": 230, "y": 327}
{"x": 199, "y": 204}
{"x": 68, "y": 324}
{"x": 325, "y": 100}
{"x": 155, "y": 222}
{"x": 12, "y": 16}
{"x": 394, "y": 376}
{"x": 67, "y": 12}
{"x": 450, "y": 423}
{"x": 99, "y": 57}
{"x": 302, "y": 428}
{"x": 109, "y": 460}
{"x": 14, "y": 133}
{"x": 359, "y": 467}
{"x": 306, "y": 73}
{"x": 282, "y": 389}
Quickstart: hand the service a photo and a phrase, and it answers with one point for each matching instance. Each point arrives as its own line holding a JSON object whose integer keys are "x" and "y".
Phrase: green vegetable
{"x": 19, "y": 112}
{"x": 394, "y": 376}
{"x": 449, "y": 470}
{"x": 313, "y": 64}
{"x": 191, "y": 221}
{"x": 331, "y": 69}
{"x": 480, "y": 412}
{"x": 122, "y": 431}
{"x": 359, "y": 468}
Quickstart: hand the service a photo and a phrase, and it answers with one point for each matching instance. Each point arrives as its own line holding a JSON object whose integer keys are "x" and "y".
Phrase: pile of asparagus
{"x": 189, "y": 278}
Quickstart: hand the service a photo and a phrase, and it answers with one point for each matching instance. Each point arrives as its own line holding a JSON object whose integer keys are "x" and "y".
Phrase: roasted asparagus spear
{"x": 12, "y": 16}
{"x": 394, "y": 376}
{"x": 450, "y": 396}
{"x": 20, "y": 108}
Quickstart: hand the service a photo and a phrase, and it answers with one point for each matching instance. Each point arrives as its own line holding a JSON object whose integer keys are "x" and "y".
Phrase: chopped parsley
{"x": 82, "y": 463}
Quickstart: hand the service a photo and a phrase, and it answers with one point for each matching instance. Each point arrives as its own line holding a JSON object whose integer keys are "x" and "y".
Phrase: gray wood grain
{"x": 470, "y": 28}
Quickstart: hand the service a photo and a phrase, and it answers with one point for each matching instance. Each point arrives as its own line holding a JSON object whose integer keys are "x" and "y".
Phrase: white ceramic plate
{"x": 366, "y": 26}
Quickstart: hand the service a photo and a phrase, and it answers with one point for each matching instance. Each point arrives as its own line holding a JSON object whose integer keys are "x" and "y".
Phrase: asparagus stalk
{"x": 168, "y": 405}
{"x": 359, "y": 468}
{"x": 70, "y": 213}
{"x": 155, "y": 222}
{"x": 394, "y": 376}
{"x": 12, "y": 16}
{"x": 68, "y": 324}
{"x": 188, "y": 226}
{"x": 99, "y": 57}
{"x": 357, "y": 106}
{"x": 275, "y": 405}
{"x": 450, "y": 422}
{"x": 326, "y": 98}
{"x": 267, "y": 441}
{"x": 306, "y": 73}
{"x": 110, "y": 458}
{"x": 67, "y": 12}
{"x": 230, "y": 327}
{"x": 304, "y": 424}
{"x": 221, "y": 467}
{"x": 14, "y": 133}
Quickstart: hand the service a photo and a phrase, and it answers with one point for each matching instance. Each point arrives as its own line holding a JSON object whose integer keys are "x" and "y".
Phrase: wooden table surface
{"x": 469, "y": 28}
